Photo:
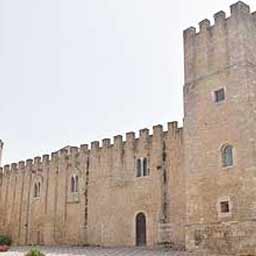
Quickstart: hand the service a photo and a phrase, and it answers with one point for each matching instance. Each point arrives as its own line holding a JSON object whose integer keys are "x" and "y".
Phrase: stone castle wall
{"x": 187, "y": 183}
{"x": 110, "y": 195}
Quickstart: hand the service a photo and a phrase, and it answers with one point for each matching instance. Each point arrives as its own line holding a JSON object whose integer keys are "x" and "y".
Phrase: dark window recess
{"x": 224, "y": 207}
{"x": 198, "y": 237}
{"x": 145, "y": 167}
{"x": 142, "y": 167}
{"x": 139, "y": 174}
{"x": 219, "y": 95}
{"x": 227, "y": 156}
{"x": 74, "y": 184}
{"x": 37, "y": 189}
{"x": 76, "y": 190}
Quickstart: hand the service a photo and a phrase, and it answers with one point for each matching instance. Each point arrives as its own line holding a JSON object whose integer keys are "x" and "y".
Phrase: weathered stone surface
{"x": 221, "y": 56}
{"x": 91, "y": 196}
{"x": 109, "y": 195}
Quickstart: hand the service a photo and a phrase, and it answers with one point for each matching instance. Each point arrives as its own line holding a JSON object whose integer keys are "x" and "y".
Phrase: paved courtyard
{"x": 87, "y": 251}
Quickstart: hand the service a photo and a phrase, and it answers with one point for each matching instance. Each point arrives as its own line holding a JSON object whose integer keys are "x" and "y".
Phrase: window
{"x": 227, "y": 156}
{"x": 74, "y": 183}
{"x": 198, "y": 237}
{"x": 37, "y": 189}
{"x": 138, "y": 168}
{"x": 219, "y": 95}
{"x": 145, "y": 167}
{"x": 224, "y": 207}
{"x": 142, "y": 167}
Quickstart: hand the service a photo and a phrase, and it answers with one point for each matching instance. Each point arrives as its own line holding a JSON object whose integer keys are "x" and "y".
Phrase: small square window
{"x": 219, "y": 95}
{"x": 224, "y": 207}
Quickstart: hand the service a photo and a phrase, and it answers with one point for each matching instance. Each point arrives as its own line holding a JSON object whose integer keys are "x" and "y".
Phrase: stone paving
{"x": 89, "y": 251}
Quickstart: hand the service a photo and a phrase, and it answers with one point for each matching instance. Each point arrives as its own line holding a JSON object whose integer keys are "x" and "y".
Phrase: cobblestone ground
{"x": 87, "y": 251}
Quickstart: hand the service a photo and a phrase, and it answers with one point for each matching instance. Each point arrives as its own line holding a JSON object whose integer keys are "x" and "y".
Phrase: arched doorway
{"x": 141, "y": 231}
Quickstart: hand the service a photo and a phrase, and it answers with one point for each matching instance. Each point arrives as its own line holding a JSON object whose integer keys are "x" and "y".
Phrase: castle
{"x": 192, "y": 187}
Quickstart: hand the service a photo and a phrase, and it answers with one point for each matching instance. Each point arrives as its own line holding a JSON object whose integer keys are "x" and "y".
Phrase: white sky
{"x": 74, "y": 71}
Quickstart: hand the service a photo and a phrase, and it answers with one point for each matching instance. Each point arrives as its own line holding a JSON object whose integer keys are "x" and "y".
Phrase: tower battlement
{"x": 229, "y": 41}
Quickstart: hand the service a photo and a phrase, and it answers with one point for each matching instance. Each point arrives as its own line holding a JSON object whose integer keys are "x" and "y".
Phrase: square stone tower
{"x": 220, "y": 133}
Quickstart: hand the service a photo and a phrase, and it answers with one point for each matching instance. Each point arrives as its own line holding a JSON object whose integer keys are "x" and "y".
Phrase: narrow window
{"x": 145, "y": 167}
{"x": 198, "y": 237}
{"x": 38, "y": 189}
{"x": 73, "y": 184}
{"x": 227, "y": 156}
{"x": 76, "y": 186}
{"x": 224, "y": 207}
{"x": 35, "y": 190}
{"x": 139, "y": 168}
{"x": 219, "y": 95}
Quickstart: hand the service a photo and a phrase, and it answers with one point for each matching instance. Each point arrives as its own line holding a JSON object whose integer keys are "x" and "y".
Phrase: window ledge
{"x": 223, "y": 215}
{"x": 219, "y": 102}
{"x": 227, "y": 167}
{"x": 73, "y": 201}
{"x": 141, "y": 177}
{"x": 73, "y": 197}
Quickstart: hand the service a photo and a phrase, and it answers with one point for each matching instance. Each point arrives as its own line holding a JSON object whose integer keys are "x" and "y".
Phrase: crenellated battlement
{"x": 229, "y": 41}
{"x": 95, "y": 146}
{"x": 21, "y": 165}
{"x": 238, "y": 10}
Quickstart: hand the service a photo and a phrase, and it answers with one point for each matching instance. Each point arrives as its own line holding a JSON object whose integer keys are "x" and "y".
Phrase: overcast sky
{"x": 74, "y": 71}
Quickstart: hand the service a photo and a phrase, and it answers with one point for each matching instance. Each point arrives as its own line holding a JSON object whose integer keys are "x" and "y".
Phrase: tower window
{"x": 227, "y": 156}
{"x": 219, "y": 95}
{"x": 224, "y": 207}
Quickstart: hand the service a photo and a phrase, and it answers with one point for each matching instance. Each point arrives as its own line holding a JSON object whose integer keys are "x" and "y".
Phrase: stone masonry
{"x": 192, "y": 187}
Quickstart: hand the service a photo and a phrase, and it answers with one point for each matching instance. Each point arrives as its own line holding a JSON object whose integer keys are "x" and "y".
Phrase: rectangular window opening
{"x": 224, "y": 206}
{"x": 219, "y": 95}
